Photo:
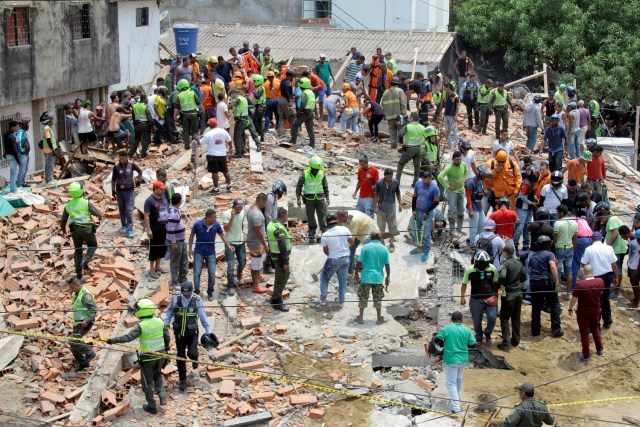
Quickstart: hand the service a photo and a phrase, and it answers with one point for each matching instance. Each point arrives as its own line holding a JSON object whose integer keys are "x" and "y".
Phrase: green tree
{"x": 597, "y": 42}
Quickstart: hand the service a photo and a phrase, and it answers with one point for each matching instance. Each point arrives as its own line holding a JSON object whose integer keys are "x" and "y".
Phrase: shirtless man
{"x": 111, "y": 108}
{"x": 116, "y": 132}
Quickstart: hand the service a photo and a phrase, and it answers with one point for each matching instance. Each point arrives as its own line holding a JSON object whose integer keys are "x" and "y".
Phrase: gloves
{"x": 109, "y": 341}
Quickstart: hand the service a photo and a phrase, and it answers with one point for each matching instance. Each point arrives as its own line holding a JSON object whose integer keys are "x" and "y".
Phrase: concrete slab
{"x": 9, "y": 349}
{"x": 380, "y": 418}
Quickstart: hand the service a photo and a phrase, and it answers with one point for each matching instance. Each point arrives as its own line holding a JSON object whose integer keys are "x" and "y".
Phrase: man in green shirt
{"x": 510, "y": 278}
{"x": 457, "y": 339}
{"x": 452, "y": 178}
{"x": 528, "y": 413}
{"x": 373, "y": 258}
{"x": 565, "y": 237}
{"x": 614, "y": 239}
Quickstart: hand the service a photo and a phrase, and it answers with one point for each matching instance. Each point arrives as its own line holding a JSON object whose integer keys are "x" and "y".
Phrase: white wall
{"x": 139, "y": 50}
{"x": 401, "y": 15}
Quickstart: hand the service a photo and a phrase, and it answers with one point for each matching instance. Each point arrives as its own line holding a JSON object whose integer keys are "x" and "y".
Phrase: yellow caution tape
{"x": 584, "y": 402}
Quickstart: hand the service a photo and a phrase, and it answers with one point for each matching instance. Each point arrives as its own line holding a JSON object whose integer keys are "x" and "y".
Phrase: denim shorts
{"x": 565, "y": 258}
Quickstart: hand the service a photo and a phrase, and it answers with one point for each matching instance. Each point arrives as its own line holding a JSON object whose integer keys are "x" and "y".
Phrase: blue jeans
{"x": 14, "y": 168}
{"x": 198, "y": 262}
{"x": 532, "y": 135}
{"x": 24, "y": 165}
{"x": 365, "y": 205}
{"x": 582, "y": 243}
{"x": 339, "y": 266}
{"x": 574, "y": 145}
{"x": 239, "y": 256}
{"x": 453, "y": 371}
{"x": 271, "y": 108}
{"x": 332, "y": 113}
{"x": 126, "y": 204}
{"x": 352, "y": 251}
{"x": 422, "y": 231}
{"x": 475, "y": 226}
{"x": 451, "y": 128}
{"x": 522, "y": 229}
{"x": 49, "y": 163}
{"x": 478, "y": 308}
{"x": 350, "y": 122}
{"x": 565, "y": 258}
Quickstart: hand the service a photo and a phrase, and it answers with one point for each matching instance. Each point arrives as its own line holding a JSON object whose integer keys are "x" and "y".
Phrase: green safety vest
{"x": 53, "y": 138}
{"x": 484, "y": 95}
{"x": 152, "y": 336}
{"x": 437, "y": 98}
{"x": 455, "y": 86}
{"x": 78, "y": 210}
{"x": 392, "y": 65}
{"x": 266, "y": 68}
{"x": 187, "y": 100}
{"x": 313, "y": 184}
{"x": 140, "y": 111}
{"x": 596, "y": 108}
{"x": 414, "y": 135}
{"x": 273, "y": 240}
{"x": 431, "y": 151}
{"x": 260, "y": 95}
{"x": 80, "y": 311}
{"x": 311, "y": 100}
{"x": 500, "y": 99}
{"x": 242, "y": 107}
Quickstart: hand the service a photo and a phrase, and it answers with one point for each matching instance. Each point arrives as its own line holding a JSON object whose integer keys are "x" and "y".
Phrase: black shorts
{"x": 87, "y": 137}
{"x": 217, "y": 164}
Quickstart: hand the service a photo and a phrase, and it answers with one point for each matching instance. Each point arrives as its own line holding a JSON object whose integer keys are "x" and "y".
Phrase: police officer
{"x": 470, "y": 90}
{"x": 313, "y": 186}
{"x": 594, "y": 111}
{"x": 305, "y": 113}
{"x": 78, "y": 212}
{"x": 500, "y": 102}
{"x": 143, "y": 122}
{"x": 278, "y": 189}
{"x": 484, "y": 96}
{"x": 84, "y": 314}
{"x": 279, "y": 240}
{"x": 259, "y": 102}
{"x": 184, "y": 307}
{"x": 240, "y": 108}
{"x": 154, "y": 337}
{"x": 49, "y": 145}
{"x": 414, "y": 134}
{"x": 431, "y": 154}
{"x": 187, "y": 108}
{"x": 170, "y": 127}
{"x": 528, "y": 413}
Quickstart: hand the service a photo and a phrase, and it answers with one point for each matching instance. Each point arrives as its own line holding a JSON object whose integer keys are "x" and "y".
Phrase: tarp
{"x": 5, "y": 208}
{"x": 622, "y": 146}
{"x": 23, "y": 197}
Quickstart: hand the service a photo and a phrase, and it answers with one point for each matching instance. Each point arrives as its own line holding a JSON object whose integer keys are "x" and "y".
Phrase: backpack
{"x": 485, "y": 244}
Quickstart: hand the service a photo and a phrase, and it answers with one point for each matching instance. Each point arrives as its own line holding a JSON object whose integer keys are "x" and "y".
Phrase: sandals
{"x": 380, "y": 321}
{"x": 260, "y": 290}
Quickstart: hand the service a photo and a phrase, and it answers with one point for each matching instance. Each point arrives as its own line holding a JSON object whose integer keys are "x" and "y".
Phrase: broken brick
{"x": 303, "y": 399}
{"x": 256, "y": 364}
{"x": 227, "y": 388}
{"x": 267, "y": 396}
{"x": 285, "y": 391}
{"x": 19, "y": 325}
{"x": 316, "y": 414}
{"x": 251, "y": 322}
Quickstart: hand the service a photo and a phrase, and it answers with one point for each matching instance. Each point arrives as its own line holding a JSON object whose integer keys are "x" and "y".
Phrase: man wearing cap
{"x": 373, "y": 262}
{"x": 156, "y": 208}
{"x": 587, "y": 294}
{"x": 367, "y": 177}
{"x": 500, "y": 102}
{"x": 240, "y": 108}
{"x": 484, "y": 96}
{"x": 143, "y": 122}
{"x": 394, "y": 105}
{"x": 556, "y": 137}
{"x": 335, "y": 245}
{"x": 279, "y": 240}
{"x": 457, "y": 339}
{"x": 528, "y": 413}
{"x": 604, "y": 262}
{"x": 323, "y": 70}
{"x": 414, "y": 135}
{"x": 219, "y": 151}
{"x": 183, "y": 309}
{"x": 426, "y": 197}
{"x": 234, "y": 221}
{"x": 577, "y": 168}
{"x": 510, "y": 280}
{"x": 244, "y": 48}
{"x": 84, "y": 316}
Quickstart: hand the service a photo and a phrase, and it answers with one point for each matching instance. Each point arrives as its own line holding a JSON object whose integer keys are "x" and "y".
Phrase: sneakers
{"x": 584, "y": 359}
{"x": 150, "y": 409}
{"x": 183, "y": 386}
{"x": 414, "y": 251}
{"x": 229, "y": 187}
{"x": 392, "y": 247}
{"x": 557, "y": 334}
{"x": 123, "y": 229}
{"x": 425, "y": 256}
{"x": 129, "y": 233}
{"x": 231, "y": 291}
{"x": 215, "y": 191}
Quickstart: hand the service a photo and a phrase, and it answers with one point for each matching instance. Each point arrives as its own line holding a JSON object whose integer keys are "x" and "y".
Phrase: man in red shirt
{"x": 596, "y": 172}
{"x": 587, "y": 295}
{"x": 505, "y": 219}
{"x": 367, "y": 178}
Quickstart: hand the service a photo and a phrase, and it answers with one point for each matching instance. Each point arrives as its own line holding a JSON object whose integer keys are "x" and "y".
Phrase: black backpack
{"x": 485, "y": 244}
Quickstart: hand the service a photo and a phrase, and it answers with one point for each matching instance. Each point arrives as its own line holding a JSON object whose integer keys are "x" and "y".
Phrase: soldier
{"x": 305, "y": 113}
{"x": 528, "y": 413}
{"x": 84, "y": 314}
{"x": 279, "y": 240}
{"x": 510, "y": 278}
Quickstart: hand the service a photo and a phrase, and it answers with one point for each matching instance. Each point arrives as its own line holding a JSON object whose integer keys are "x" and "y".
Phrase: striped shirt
{"x": 353, "y": 68}
{"x": 175, "y": 227}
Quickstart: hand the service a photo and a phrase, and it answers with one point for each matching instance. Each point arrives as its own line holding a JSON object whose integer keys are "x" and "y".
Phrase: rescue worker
{"x": 285, "y": 103}
{"x": 187, "y": 108}
{"x": 469, "y": 93}
{"x": 240, "y": 108}
{"x": 49, "y": 146}
{"x": 506, "y": 178}
{"x": 279, "y": 240}
{"x": 278, "y": 189}
{"x": 544, "y": 282}
{"x": 394, "y": 105}
{"x": 594, "y": 111}
{"x": 313, "y": 186}
{"x": 305, "y": 113}
{"x": 184, "y": 309}
{"x": 238, "y": 82}
{"x": 483, "y": 276}
{"x": 484, "y": 96}
{"x": 414, "y": 135}
{"x": 500, "y": 102}
{"x": 78, "y": 212}
{"x": 154, "y": 337}
{"x": 84, "y": 315}
{"x": 259, "y": 103}
{"x": 528, "y": 413}
{"x": 510, "y": 278}
{"x": 143, "y": 122}
{"x": 170, "y": 122}
{"x": 431, "y": 155}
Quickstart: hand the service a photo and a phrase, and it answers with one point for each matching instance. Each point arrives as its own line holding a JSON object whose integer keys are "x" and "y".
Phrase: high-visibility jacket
{"x": 311, "y": 100}
{"x": 431, "y": 151}
{"x": 152, "y": 336}
{"x": 437, "y": 98}
{"x": 505, "y": 182}
{"x": 272, "y": 88}
{"x": 266, "y": 68}
{"x": 260, "y": 95}
{"x": 500, "y": 99}
{"x": 78, "y": 210}
{"x": 187, "y": 100}
{"x": 313, "y": 189}
{"x": 80, "y": 311}
{"x": 236, "y": 83}
{"x": 207, "y": 96}
{"x": 185, "y": 318}
{"x": 250, "y": 62}
{"x": 48, "y": 133}
{"x": 484, "y": 95}
{"x": 273, "y": 240}
{"x": 392, "y": 65}
{"x": 594, "y": 106}
{"x": 140, "y": 111}
{"x": 242, "y": 107}
{"x": 415, "y": 135}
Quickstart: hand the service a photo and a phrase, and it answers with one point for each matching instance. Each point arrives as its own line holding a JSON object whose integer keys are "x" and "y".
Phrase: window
{"x": 4, "y": 127}
{"x": 142, "y": 17}
{"x": 18, "y": 33}
{"x": 81, "y": 21}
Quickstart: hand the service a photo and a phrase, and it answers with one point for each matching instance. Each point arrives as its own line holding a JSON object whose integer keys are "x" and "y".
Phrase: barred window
{"x": 80, "y": 21}
{"x": 18, "y": 31}
{"x": 142, "y": 17}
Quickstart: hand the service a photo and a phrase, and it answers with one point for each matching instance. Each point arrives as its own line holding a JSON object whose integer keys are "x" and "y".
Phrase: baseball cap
{"x": 322, "y": 55}
{"x": 489, "y": 224}
{"x": 238, "y": 202}
{"x": 524, "y": 387}
{"x": 193, "y": 55}
{"x": 256, "y": 46}
{"x": 212, "y": 122}
{"x": 500, "y": 83}
{"x": 186, "y": 287}
{"x": 158, "y": 184}
{"x": 376, "y": 232}
{"x": 332, "y": 219}
{"x": 555, "y": 116}
{"x": 596, "y": 235}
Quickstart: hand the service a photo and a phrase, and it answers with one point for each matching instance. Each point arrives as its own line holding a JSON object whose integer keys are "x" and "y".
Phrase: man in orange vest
{"x": 506, "y": 178}
{"x": 208, "y": 103}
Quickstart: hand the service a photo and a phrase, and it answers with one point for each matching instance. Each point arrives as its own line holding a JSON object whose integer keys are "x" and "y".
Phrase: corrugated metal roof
{"x": 307, "y": 43}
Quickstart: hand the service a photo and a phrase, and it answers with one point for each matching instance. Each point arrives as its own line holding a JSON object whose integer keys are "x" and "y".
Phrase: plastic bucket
{"x": 186, "y": 36}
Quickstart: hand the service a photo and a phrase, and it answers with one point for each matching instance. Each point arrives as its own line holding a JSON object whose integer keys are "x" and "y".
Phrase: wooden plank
{"x": 68, "y": 162}
{"x": 524, "y": 79}
{"x": 415, "y": 59}
{"x": 339, "y": 73}
{"x": 255, "y": 157}
{"x": 630, "y": 420}
{"x": 292, "y": 155}
{"x": 62, "y": 182}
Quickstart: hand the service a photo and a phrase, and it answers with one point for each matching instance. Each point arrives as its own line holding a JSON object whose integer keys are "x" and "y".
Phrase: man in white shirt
{"x": 553, "y": 195}
{"x": 234, "y": 221}
{"x": 468, "y": 157}
{"x": 219, "y": 150}
{"x": 604, "y": 262}
{"x": 335, "y": 245}
{"x": 504, "y": 143}
{"x": 223, "y": 114}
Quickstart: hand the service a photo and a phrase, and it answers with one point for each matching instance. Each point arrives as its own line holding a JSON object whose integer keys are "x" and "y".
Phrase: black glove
{"x": 109, "y": 341}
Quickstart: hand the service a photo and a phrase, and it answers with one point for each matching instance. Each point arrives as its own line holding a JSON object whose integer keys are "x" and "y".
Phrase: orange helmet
{"x": 501, "y": 156}
{"x": 346, "y": 86}
{"x": 237, "y": 74}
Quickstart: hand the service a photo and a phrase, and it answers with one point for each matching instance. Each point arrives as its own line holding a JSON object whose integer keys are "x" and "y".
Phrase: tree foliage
{"x": 597, "y": 42}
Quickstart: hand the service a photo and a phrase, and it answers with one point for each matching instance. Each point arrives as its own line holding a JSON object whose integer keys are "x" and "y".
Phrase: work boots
{"x": 277, "y": 304}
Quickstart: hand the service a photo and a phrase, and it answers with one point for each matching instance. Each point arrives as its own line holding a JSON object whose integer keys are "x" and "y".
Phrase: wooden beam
{"x": 415, "y": 59}
{"x": 522, "y": 80}
{"x": 65, "y": 181}
{"x": 162, "y": 45}
{"x": 339, "y": 73}
{"x": 545, "y": 71}
{"x": 255, "y": 157}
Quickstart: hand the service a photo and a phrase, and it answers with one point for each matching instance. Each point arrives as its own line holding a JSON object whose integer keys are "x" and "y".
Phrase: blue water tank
{"x": 186, "y": 38}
